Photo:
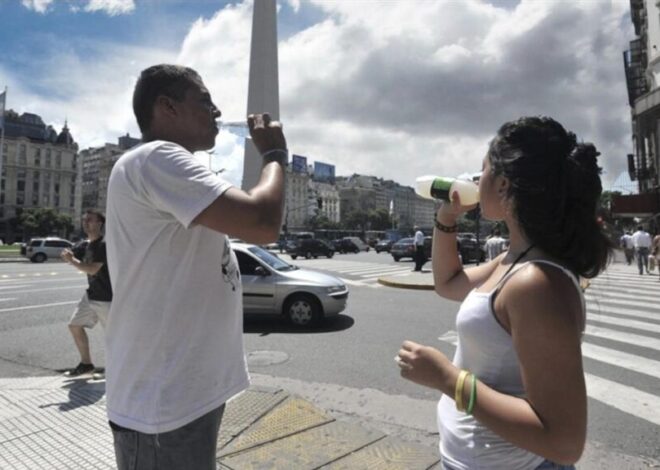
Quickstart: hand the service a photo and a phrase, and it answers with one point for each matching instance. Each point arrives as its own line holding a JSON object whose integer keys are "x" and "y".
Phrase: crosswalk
{"x": 623, "y": 308}
{"x": 358, "y": 273}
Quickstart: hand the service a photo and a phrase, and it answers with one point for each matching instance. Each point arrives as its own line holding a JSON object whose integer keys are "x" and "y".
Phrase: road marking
{"x": 639, "y": 325}
{"x": 8, "y": 299}
{"x": 14, "y": 287}
{"x": 604, "y": 307}
{"x": 30, "y": 307}
{"x": 622, "y": 337}
{"x": 42, "y": 289}
{"x": 625, "y": 360}
{"x": 622, "y": 397}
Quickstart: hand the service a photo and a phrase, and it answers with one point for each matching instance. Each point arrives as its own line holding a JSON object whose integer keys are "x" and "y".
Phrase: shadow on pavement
{"x": 265, "y": 325}
{"x": 81, "y": 393}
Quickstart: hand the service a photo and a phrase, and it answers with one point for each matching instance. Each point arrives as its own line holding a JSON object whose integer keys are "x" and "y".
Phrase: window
{"x": 48, "y": 159}
{"x": 57, "y": 244}
{"x": 246, "y": 264}
{"x": 58, "y": 160}
{"x": 37, "y": 158}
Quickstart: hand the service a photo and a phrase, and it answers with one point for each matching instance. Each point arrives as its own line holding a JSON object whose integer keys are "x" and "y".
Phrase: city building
{"x": 297, "y": 205}
{"x": 642, "y": 68}
{"x": 40, "y": 168}
{"x": 97, "y": 163}
{"x": 361, "y": 193}
{"x": 327, "y": 200}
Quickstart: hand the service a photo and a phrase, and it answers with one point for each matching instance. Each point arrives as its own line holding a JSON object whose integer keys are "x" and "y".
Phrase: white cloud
{"x": 40, "y": 6}
{"x": 382, "y": 88}
{"x": 111, "y": 7}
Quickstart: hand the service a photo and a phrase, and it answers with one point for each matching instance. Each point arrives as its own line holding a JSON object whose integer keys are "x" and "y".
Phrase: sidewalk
{"x": 59, "y": 422}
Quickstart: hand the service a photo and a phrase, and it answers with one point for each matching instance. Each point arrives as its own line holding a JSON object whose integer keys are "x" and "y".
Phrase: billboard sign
{"x": 298, "y": 164}
{"x": 324, "y": 172}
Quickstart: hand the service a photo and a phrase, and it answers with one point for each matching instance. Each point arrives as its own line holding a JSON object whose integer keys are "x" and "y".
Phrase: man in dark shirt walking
{"x": 95, "y": 304}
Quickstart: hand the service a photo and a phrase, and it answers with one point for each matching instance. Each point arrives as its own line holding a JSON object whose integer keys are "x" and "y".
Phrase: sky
{"x": 396, "y": 89}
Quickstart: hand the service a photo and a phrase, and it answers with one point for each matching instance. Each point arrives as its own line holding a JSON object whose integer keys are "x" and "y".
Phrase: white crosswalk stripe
{"x": 619, "y": 301}
{"x": 367, "y": 273}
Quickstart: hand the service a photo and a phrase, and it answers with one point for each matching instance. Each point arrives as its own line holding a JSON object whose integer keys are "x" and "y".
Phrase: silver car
{"x": 271, "y": 285}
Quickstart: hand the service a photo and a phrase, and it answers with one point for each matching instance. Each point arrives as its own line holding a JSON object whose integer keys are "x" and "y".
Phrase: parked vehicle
{"x": 343, "y": 245}
{"x": 361, "y": 246}
{"x": 273, "y": 286}
{"x": 405, "y": 248}
{"x": 310, "y": 248}
{"x": 39, "y": 250}
{"x": 383, "y": 245}
{"x": 469, "y": 249}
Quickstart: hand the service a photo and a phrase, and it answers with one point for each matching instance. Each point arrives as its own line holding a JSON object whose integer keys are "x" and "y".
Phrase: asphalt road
{"x": 347, "y": 364}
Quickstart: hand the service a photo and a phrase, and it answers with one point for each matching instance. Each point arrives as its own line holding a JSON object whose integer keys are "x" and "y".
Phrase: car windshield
{"x": 270, "y": 259}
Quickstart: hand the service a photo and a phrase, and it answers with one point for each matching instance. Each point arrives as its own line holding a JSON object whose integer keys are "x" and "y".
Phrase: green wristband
{"x": 473, "y": 395}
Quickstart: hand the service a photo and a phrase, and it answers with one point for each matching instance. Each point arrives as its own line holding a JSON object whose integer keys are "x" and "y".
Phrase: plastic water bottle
{"x": 442, "y": 187}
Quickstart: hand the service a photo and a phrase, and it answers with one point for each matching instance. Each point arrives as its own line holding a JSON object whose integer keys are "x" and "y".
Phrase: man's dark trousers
{"x": 420, "y": 257}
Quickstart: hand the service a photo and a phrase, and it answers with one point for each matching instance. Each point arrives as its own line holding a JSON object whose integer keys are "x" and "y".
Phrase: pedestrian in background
{"x": 420, "y": 257}
{"x": 514, "y": 396}
{"x": 628, "y": 247}
{"x": 495, "y": 245}
{"x": 655, "y": 251}
{"x": 174, "y": 346}
{"x": 89, "y": 258}
{"x": 642, "y": 242}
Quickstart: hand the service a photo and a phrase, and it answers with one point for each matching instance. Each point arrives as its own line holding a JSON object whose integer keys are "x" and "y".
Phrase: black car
{"x": 383, "y": 245}
{"x": 344, "y": 245}
{"x": 309, "y": 248}
{"x": 405, "y": 248}
{"x": 469, "y": 248}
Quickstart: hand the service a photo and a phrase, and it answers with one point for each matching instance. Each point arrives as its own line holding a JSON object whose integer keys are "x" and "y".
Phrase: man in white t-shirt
{"x": 495, "y": 245}
{"x": 642, "y": 242}
{"x": 628, "y": 247}
{"x": 174, "y": 342}
{"x": 420, "y": 257}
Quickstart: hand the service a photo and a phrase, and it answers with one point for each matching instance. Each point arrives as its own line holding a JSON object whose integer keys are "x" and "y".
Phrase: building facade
{"x": 97, "y": 163}
{"x": 642, "y": 68}
{"x": 40, "y": 169}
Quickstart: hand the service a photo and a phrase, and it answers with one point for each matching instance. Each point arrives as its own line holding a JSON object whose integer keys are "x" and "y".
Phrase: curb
{"x": 404, "y": 285}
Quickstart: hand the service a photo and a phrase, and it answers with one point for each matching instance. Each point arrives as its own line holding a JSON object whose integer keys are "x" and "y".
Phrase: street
{"x": 347, "y": 364}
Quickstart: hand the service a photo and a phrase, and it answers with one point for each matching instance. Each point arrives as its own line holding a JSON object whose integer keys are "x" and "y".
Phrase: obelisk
{"x": 263, "y": 85}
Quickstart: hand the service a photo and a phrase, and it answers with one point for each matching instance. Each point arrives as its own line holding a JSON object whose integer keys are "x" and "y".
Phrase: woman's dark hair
{"x": 164, "y": 79}
{"x": 555, "y": 187}
{"x": 99, "y": 215}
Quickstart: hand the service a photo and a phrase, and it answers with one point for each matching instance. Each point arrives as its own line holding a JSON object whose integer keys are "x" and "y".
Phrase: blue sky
{"x": 375, "y": 87}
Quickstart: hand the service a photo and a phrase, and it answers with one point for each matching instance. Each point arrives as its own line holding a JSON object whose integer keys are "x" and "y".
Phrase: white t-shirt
{"x": 419, "y": 238}
{"x": 641, "y": 239}
{"x": 174, "y": 340}
{"x": 494, "y": 246}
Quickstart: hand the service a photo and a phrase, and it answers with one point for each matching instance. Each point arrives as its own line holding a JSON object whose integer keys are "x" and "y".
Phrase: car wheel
{"x": 308, "y": 255}
{"x": 396, "y": 258}
{"x": 330, "y": 254}
{"x": 39, "y": 258}
{"x": 303, "y": 310}
{"x": 315, "y": 256}
{"x": 294, "y": 256}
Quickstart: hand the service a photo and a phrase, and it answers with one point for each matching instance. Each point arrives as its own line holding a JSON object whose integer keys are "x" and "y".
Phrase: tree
{"x": 44, "y": 221}
{"x": 380, "y": 219}
{"x": 356, "y": 220}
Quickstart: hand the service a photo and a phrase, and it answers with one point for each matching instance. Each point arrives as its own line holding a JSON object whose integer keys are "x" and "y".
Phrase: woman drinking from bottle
{"x": 514, "y": 395}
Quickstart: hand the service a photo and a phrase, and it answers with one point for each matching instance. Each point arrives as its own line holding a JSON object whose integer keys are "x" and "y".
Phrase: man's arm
{"x": 256, "y": 215}
{"x": 87, "y": 268}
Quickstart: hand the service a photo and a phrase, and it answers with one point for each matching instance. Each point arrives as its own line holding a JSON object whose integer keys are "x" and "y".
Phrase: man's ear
{"x": 164, "y": 105}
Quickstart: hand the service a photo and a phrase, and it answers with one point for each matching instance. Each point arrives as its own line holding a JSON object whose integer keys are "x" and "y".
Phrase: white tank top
{"x": 485, "y": 349}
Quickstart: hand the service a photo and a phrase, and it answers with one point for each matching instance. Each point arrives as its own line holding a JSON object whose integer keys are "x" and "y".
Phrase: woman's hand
{"x": 450, "y": 211}
{"x": 426, "y": 366}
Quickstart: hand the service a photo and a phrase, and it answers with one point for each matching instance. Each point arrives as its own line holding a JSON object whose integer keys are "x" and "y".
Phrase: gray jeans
{"x": 190, "y": 446}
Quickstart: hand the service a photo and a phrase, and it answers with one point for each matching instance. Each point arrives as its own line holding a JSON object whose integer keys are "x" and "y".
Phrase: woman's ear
{"x": 502, "y": 184}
